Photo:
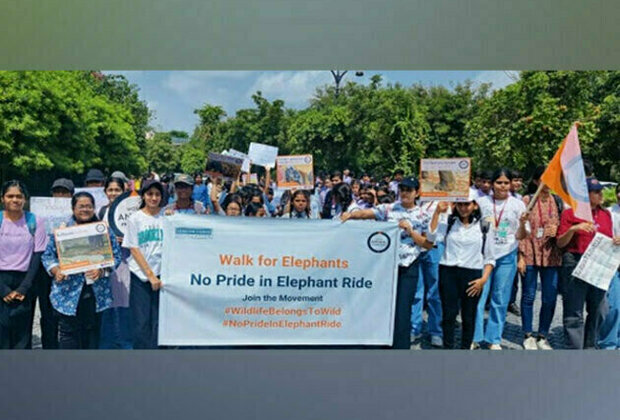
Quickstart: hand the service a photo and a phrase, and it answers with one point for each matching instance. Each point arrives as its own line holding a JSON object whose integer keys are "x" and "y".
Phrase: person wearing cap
{"x": 539, "y": 255}
{"x": 414, "y": 223}
{"x": 62, "y": 187}
{"x": 144, "y": 239}
{"x": 185, "y": 204}
{"x": 465, "y": 265}
{"x": 609, "y": 337}
{"x": 121, "y": 175}
{"x": 574, "y": 236}
{"x": 94, "y": 178}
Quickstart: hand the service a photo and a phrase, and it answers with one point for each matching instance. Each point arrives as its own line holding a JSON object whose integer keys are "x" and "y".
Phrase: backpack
{"x": 31, "y": 221}
{"x": 484, "y": 228}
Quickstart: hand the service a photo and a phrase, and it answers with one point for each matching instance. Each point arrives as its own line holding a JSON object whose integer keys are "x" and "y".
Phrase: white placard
{"x": 599, "y": 263}
{"x": 263, "y": 154}
{"x": 55, "y": 211}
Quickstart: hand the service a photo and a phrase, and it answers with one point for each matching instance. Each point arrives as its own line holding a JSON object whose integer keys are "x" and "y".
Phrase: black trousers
{"x": 82, "y": 330}
{"x": 405, "y": 292}
{"x": 575, "y": 294}
{"x": 144, "y": 304}
{"x": 453, "y": 284}
{"x": 49, "y": 317}
{"x": 15, "y": 317}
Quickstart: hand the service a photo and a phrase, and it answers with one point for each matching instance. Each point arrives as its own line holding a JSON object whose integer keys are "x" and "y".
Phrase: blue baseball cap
{"x": 593, "y": 184}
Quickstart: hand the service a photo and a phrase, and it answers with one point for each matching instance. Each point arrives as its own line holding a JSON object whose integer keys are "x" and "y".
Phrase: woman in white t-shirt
{"x": 144, "y": 238}
{"x": 299, "y": 206}
{"x": 509, "y": 219}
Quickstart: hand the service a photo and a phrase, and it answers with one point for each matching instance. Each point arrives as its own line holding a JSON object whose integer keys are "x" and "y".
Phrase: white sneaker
{"x": 474, "y": 346}
{"x": 530, "y": 343}
{"x": 543, "y": 344}
{"x": 495, "y": 347}
{"x": 436, "y": 341}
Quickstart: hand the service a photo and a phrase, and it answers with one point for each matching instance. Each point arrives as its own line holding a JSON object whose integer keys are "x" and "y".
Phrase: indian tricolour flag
{"x": 566, "y": 176}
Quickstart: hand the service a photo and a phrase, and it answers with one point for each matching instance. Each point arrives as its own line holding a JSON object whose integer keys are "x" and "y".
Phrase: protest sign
{"x": 250, "y": 178}
{"x": 124, "y": 206}
{"x": 304, "y": 288}
{"x": 53, "y": 210}
{"x": 83, "y": 247}
{"x": 222, "y": 165}
{"x": 295, "y": 172}
{"x": 245, "y": 166}
{"x": 263, "y": 154}
{"x": 445, "y": 179}
{"x": 98, "y": 193}
{"x": 599, "y": 263}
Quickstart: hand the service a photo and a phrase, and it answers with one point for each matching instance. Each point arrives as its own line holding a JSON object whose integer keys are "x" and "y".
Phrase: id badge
{"x": 540, "y": 232}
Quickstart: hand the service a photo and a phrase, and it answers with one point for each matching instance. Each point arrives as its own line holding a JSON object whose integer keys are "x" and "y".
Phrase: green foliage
{"x": 68, "y": 122}
{"x": 162, "y": 156}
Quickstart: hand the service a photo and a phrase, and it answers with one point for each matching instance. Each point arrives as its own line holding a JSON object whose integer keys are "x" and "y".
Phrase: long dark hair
{"x": 157, "y": 186}
{"x": 473, "y": 218}
{"x": 15, "y": 183}
{"x": 306, "y": 195}
{"x": 115, "y": 180}
{"x": 531, "y": 187}
{"x": 343, "y": 195}
{"x": 75, "y": 199}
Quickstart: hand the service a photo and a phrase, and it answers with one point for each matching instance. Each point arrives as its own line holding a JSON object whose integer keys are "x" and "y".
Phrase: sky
{"x": 174, "y": 95}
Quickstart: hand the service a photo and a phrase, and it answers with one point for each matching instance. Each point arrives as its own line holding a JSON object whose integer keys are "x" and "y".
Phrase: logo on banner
{"x": 379, "y": 242}
{"x": 100, "y": 228}
{"x": 194, "y": 233}
{"x": 464, "y": 164}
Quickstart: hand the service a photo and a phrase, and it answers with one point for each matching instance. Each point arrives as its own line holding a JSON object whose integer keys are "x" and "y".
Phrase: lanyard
{"x": 549, "y": 213}
{"x": 501, "y": 213}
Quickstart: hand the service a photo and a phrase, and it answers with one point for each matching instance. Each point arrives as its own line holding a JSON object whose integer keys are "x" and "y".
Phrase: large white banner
{"x": 251, "y": 281}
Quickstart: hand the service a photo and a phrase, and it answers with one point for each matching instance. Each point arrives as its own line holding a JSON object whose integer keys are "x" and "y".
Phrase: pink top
{"x": 17, "y": 244}
{"x": 539, "y": 248}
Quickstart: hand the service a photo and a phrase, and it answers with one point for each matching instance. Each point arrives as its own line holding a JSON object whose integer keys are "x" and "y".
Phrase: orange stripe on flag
{"x": 552, "y": 177}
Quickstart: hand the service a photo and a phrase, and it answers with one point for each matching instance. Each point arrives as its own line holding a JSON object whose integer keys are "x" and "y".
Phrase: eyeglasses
{"x": 86, "y": 207}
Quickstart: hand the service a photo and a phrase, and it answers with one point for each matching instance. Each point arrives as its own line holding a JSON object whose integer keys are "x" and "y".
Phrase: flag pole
{"x": 535, "y": 197}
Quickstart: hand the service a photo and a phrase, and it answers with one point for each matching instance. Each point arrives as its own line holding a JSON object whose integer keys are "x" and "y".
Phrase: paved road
{"x": 513, "y": 335}
{"x": 512, "y": 338}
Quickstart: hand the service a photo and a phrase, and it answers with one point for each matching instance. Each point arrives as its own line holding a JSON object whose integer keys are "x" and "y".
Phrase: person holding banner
{"x": 539, "y": 255}
{"x": 414, "y": 223}
{"x": 609, "y": 337}
{"x": 184, "y": 203}
{"x": 465, "y": 265}
{"x": 144, "y": 239}
{"x": 510, "y": 221}
{"x": 574, "y": 236}
{"x": 77, "y": 302}
{"x": 116, "y": 321}
{"x": 22, "y": 240}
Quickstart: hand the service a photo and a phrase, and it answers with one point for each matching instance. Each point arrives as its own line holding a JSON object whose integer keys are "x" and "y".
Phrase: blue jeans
{"x": 116, "y": 329}
{"x": 499, "y": 286}
{"x": 609, "y": 334}
{"x": 428, "y": 285}
{"x": 549, "y": 283}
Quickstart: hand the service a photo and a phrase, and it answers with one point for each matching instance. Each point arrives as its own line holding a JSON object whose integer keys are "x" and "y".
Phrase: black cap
{"x": 64, "y": 183}
{"x": 593, "y": 184}
{"x": 94, "y": 175}
{"x": 409, "y": 182}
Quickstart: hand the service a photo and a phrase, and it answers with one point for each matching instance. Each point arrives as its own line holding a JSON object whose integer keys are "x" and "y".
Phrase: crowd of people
{"x": 466, "y": 258}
